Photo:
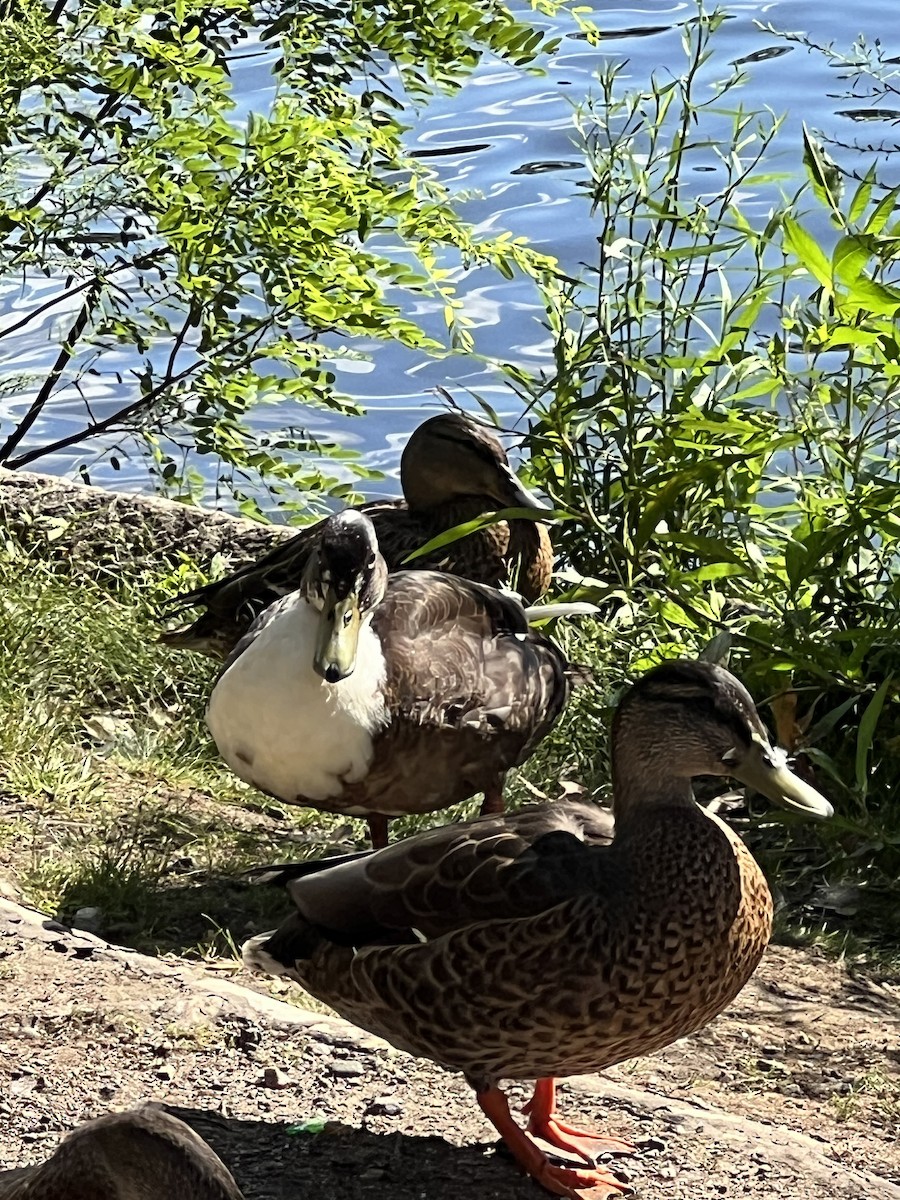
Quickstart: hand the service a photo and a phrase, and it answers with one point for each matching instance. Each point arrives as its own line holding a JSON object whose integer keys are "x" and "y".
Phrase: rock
{"x": 274, "y": 1077}
{"x": 89, "y": 918}
{"x": 9, "y": 890}
{"x": 247, "y": 1036}
{"x": 348, "y": 1069}
{"x": 387, "y": 1106}
{"x": 773, "y": 1065}
{"x": 87, "y": 527}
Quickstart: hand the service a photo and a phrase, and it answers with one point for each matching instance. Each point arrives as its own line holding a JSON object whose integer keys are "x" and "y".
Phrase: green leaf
{"x": 823, "y": 172}
{"x": 861, "y": 197}
{"x": 883, "y": 212}
{"x": 807, "y": 251}
{"x": 482, "y": 522}
{"x": 873, "y": 297}
{"x": 849, "y": 259}
{"x": 712, "y": 549}
{"x": 866, "y": 734}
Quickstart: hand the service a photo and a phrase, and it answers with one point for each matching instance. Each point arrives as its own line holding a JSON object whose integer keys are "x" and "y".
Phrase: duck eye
{"x": 371, "y": 563}
{"x": 730, "y": 757}
{"x": 348, "y": 617}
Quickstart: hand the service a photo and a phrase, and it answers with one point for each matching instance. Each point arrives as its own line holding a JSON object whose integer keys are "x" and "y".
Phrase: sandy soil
{"x": 794, "y": 1091}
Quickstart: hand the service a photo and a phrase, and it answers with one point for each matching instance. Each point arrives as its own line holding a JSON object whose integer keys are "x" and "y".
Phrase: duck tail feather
{"x": 281, "y": 874}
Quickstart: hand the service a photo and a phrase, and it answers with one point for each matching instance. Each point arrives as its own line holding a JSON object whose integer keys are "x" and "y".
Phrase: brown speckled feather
{"x": 646, "y": 956}
{"x": 144, "y": 1154}
{"x": 445, "y": 878}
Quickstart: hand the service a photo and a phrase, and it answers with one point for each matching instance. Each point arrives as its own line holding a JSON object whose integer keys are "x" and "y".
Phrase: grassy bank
{"x": 113, "y": 797}
{"x": 111, "y": 793}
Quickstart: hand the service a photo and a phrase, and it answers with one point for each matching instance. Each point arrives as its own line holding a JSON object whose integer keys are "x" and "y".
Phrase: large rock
{"x": 96, "y": 531}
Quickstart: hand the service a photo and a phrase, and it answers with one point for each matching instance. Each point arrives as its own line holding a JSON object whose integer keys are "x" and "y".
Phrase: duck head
{"x": 688, "y": 718}
{"x": 344, "y": 580}
{"x": 452, "y": 457}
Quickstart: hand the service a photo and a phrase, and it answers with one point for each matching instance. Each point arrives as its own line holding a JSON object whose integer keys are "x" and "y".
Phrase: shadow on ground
{"x": 269, "y": 1163}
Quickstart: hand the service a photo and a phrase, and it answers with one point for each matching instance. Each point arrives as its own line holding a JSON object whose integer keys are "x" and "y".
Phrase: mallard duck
{"x": 553, "y": 941}
{"x": 452, "y": 470}
{"x": 377, "y": 695}
{"x": 145, "y": 1154}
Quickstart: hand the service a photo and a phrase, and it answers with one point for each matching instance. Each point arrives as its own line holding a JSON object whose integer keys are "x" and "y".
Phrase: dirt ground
{"x": 794, "y": 1091}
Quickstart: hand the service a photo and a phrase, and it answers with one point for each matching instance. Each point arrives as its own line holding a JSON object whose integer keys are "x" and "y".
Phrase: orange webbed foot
{"x": 544, "y": 1123}
{"x": 593, "y": 1184}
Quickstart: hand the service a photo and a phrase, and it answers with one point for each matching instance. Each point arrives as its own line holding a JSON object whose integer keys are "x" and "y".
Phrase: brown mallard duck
{"x": 145, "y": 1154}
{"x": 552, "y": 942}
{"x": 377, "y": 695}
{"x": 453, "y": 469}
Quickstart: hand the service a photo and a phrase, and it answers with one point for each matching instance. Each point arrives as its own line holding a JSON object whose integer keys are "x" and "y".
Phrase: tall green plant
{"x": 722, "y": 415}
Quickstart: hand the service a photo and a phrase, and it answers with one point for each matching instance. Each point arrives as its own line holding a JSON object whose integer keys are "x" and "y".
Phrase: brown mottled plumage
{"x": 145, "y": 1154}
{"x": 453, "y": 469}
{"x": 551, "y": 942}
{"x": 447, "y": 688}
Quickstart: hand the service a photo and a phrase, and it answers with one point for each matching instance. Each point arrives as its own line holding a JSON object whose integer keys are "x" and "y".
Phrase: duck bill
{"x": 337, "y": 638}
{"x": 766, "y": 771}
{"x": 518, "y": 496}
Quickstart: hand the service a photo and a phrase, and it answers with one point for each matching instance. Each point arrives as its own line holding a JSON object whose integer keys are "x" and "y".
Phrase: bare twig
{"x": 129, "y": 410}
{"x": 42, "y": 308}
{"x": 62, "y": 361}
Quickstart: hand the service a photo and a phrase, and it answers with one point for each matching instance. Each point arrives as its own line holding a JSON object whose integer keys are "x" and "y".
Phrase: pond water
{"x": 506, "y": 140}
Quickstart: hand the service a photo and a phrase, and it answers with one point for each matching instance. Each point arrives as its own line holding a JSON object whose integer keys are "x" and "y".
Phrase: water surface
{"x": 504, "y": 142}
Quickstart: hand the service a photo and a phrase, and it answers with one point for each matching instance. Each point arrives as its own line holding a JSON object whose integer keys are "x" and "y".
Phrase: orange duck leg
{"x": 593, "y": 1184}
{"x": 544, "y": 1123}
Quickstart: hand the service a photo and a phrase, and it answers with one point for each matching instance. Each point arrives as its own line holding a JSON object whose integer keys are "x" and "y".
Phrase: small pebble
{"x": 274, "y": 1077}
{"x": 772, "y": 1064}
{"x": 347, "y": 1070}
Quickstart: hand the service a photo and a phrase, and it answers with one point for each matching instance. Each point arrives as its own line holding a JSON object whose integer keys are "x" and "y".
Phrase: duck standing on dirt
{"x": 553, "y": 942}
{"x": 378, "y": 695}
{"x": 453, "y": 470}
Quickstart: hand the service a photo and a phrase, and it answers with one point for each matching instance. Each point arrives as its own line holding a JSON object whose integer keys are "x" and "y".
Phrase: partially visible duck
{"x": 145, "y": 1154}
{"x": 453, "y": 469}
{"x": 554, "y": 942}
{"x": 377, "y": 694}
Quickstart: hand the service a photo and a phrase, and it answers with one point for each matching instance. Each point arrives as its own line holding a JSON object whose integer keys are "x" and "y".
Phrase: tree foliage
{"x": 189, "y": 262}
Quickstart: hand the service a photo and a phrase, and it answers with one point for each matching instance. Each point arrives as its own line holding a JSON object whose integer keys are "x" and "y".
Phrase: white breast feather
{"x": 281, "y": 727}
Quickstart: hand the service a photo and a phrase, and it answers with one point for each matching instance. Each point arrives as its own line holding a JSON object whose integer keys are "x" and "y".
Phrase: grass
{"x": 112, "y": 795}
{"x": 882, "y": 1090}
{"x": 113, "y": 798}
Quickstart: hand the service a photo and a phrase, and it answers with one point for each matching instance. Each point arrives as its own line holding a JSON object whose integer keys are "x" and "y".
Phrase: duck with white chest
{"x": 377, "y": 695}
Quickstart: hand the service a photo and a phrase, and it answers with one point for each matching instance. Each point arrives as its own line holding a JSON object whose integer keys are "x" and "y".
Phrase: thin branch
{"x": 42, "y": 308}
{"x": 190, "y": 321}
{"x": 62, "y": 361}
{"x": 130, "y": 409}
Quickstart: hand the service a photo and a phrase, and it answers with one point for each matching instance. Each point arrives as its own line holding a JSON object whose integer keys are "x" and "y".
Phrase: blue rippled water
{"x": 505, "y": 141}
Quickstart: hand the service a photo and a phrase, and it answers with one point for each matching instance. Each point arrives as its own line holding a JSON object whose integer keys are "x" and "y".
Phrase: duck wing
{"x": 494, "y": 867}
{"x": 461, "y": 655}
{"x": 255, "y": 586}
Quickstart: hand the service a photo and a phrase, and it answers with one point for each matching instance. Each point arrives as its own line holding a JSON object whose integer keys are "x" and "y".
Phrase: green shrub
{"x": 722, "y": 422}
